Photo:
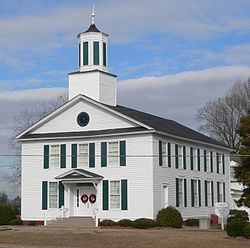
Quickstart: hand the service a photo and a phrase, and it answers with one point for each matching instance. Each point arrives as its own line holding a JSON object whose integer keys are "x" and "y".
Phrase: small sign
{"x": 222, "y": 211}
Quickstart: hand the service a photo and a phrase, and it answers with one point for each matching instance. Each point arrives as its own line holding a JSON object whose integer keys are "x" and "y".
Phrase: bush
{"x": 144, "y": 223}
{"x": 235, "y": 227}
{"x": 238, "y": 214}
{"x": 125, "y": 223}
{"x": 32, "y": 223}
{"x": 16, "y": 222}
{"x": 246, "y": 230}
{"x": 107, "y": 223}
{"x": 170, "y": 217}
{"x": 192, "y": 222}
{"x": 6, "y": 214}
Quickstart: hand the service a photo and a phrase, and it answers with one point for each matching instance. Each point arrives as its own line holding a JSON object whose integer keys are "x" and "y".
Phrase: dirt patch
{"x": 118, "y": 238}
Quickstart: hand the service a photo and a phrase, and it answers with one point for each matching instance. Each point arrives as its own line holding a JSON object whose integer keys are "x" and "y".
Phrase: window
{"x": 195, "y": 195}
{"x": 181, "y": 192}
{"x": 196, "y": 192}
{"x": 207, "y": 159}
{"x": 232, "y": 174}
{"x": 83, "y": 155}
{"x": 219, "y": 163}
{"x": 195, "y": 159}
{"x": 54, "y": 156}
{"x": 209, "y": 193}
{"x": 113, "y": 153}
{"x": 96, "y": 53}
{"x": 178, "y": 156}
{"x": 53, "y": 192}
{"x": 114, "y": 194}
{"x": 220, "y": 192}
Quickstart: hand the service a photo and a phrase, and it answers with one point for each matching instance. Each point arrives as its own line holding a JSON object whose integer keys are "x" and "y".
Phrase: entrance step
{"x": 72, "y": 222}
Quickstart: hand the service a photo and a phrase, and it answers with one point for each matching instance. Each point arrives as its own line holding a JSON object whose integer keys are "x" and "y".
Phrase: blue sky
{"x": 171, "y": 56}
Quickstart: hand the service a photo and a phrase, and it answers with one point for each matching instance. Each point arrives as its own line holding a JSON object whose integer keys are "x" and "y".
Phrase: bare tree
{"x": 221, "y": 118}
{"x": 23, "y": 120}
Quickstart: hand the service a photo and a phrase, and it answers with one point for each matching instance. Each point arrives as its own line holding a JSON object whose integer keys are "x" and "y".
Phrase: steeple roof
{"x": 93, "y": 28}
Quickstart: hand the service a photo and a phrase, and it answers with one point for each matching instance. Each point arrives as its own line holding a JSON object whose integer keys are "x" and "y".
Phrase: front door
{"x": 84, "y": 208}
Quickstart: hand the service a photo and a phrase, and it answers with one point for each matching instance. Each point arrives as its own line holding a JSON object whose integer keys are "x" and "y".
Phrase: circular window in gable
{"x": 83, "y": 119}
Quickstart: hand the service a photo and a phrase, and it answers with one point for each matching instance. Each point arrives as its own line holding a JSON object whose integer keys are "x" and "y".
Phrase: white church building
{"x": 93, "y": 157}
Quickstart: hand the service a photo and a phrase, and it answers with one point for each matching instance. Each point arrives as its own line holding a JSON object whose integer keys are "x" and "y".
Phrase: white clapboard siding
{"x": 163, "y": 174}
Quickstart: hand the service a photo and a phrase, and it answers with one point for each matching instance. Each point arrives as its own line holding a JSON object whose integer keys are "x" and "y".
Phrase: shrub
{"x": 32, "y": 223}
{"x": 246, "y": 230}
{"x": 125, "y": 223}
{"x": 235, "y": 227}
{"x": 107, "y": 223}
{"x": 16, "y": 222}
{"x": 6, "y": 214}
{"x": 192, "y": 222}
{"x": 170, "y": 217}
{"x": 238, "y": 214}
{"x": 144, "y": 223}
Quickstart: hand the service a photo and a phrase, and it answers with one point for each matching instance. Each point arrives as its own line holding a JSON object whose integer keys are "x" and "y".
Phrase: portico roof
{"x": 79, "y": 175}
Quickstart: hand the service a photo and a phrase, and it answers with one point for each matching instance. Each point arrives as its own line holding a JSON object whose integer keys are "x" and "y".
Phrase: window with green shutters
{"x": 195, "y": 192}
{"x": 181, "y": 192}
{"x": 54, "y": 156}
{"x": 113, "y": 153}
{"x": 104, "y": 54}
{"x": 208, "y": 193}
{"x": 96, "y": 53}
{"x": 85, "y": 53}
{"x": 44, "y": 195}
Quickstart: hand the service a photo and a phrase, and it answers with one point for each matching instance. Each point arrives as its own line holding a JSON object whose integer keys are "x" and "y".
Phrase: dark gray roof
{"x": 165, "y": 125}
{"x": 93, "y": 28}
{"x": 83, "y": 134}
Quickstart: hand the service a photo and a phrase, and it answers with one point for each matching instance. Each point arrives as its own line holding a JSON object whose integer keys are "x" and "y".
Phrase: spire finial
{"x": 93, "y": 15}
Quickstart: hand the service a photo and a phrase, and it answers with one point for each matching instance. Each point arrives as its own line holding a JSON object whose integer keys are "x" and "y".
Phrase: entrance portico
{"x": 81, "y": 188}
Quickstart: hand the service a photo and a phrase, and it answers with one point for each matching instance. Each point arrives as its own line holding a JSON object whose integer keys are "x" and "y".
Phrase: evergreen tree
{"x": 242, "y": 171}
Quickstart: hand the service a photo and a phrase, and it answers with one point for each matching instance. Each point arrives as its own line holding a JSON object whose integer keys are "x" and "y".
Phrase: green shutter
{"x": 218, "y": 192}
{"x": 184, "y": 158}
{"x": 212, "y": 192}
{"x": 44, "y": 195}
{"x": 217, "y": 162}
{"x": 85, "y": 53}
{"x": 192, "y": 192}
{"x": 124, "y": 192}
{"x": 199, "y": 188}
{"x": 63, "y": 156}
{"x": 104, "y": 54}
{"x": 160, "y": 153}
{"x": 61, "y": 194}
{"x": 185, "y": 192}
{"x": 46, "y": 156}
{"x": 223, "y": 163}
{"x": 177, "y": 191}
{"x": 176, "y": 157}
{"x": 205, "y": 160}
{"x": 206, "y": 203}
{"x": 199, "y": 159}
{"x": 92, "y": 155}
{"x": 79, "y": 54}
{"x": 105, "y": 195}
{"x": 103, "y": 154}
{"x": 169, "y": 154}
{"x": 224, "y": 192}
{"x": 74, "y": 155}
{"x": 211, "y": 161}
{"x": 123, "y": 153}
{"x": 191, "y": 158}
{"x": 96, "y": 53}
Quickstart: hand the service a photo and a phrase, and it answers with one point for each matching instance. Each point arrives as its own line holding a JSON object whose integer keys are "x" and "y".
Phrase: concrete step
{"x": 72, "y": 222}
